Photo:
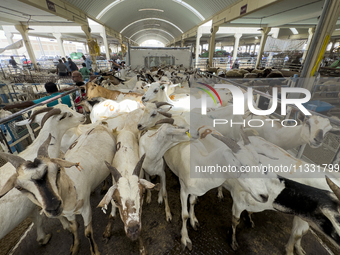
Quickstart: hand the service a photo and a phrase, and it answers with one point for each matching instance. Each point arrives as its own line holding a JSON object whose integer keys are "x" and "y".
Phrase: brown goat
{"x": 94, "y": 90}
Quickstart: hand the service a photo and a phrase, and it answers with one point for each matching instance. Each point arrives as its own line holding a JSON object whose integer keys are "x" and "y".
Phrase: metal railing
{"x": 17, "y": 139}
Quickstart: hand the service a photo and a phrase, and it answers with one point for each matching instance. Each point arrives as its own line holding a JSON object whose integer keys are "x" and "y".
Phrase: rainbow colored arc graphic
{"x": 209, "y": 93}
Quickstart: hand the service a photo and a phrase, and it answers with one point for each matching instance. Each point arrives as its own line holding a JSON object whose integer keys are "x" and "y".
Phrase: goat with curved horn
{"x": 169, "y": 121}
{"x": 16, "y": 161}
{"x": 334, "y": 187}
{"x": 115, "y": 173}
{"x": 138, "y": 167}
{"x": 166, "y": 114}
{"x": 229, "y": 142}
{"x": 159, "y": 104}
{"x": 43, "y": 149}
{"x": 35, "y": 113}
{"x": 49, "y": 114}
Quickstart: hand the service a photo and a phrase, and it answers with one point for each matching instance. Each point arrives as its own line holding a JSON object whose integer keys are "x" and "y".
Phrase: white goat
{"x": 154, "y": 144}
{"x": 102, "y": 108}
{"x": 127, "y": 191}
{"x": 179, "y": 161}
{"x": 14, "y": 206}
{"x": 64, "y": 192}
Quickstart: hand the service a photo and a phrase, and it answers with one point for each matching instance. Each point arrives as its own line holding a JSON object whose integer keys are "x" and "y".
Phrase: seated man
{"x": 52, "y": 89}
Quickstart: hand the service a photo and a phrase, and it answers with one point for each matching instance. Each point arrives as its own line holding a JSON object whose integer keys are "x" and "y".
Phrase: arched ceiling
{"x": 175, "y": 17}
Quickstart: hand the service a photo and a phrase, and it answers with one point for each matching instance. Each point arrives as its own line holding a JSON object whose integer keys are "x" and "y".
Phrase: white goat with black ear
{"x": 64, "y": 192}
{"x": 127, "y": 191}
{"x": 15, "y": 206}
{"x": 154, "y": 144}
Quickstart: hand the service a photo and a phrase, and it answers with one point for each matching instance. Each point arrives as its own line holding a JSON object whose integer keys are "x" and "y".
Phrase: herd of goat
{"x": 140, "y": 125}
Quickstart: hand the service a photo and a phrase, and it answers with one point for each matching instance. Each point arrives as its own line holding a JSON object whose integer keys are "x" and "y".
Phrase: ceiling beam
{"x": 290, "y": 20}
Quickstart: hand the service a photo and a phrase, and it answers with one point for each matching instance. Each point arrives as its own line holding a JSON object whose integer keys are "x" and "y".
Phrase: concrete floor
{"x": 269, "y": 236}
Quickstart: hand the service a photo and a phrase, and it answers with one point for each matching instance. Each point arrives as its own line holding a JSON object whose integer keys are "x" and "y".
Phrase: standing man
{"x": 14, "y": 64}
{"x": 72, "y": 65}
{"x": 67, "y": 65}
{"x": 88, "y": 62}
{"x": 61, "y": 68}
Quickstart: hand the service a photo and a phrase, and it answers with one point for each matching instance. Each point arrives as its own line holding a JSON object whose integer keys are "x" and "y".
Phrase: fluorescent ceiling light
{"x": 152, "y": 30}
{"x": 152, "y": 19}
{"x": 107, "y": 8}
{"x": 190, "y": 8}
{"x": 256, "y": 37}
{"x": 150, "y": 9}
{"x": 294, "y": 31}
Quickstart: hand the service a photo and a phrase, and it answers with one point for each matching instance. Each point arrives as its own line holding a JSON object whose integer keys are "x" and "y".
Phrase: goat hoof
{"x": 148, "y": 199}
{"x": 168, "y": 217}
{"x": 186, "y": 243}
{"x": 300, "y": 251}
{"x": 234, "y": 245}
{"x": 195, "y": 225}
{"x": 44, "y": 241}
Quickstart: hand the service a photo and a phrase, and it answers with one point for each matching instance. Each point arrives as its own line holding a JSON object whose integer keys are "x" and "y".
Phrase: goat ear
{"x": 148, "y": 185}
{"x": 108, "y": 197}
{"x": 64, "y": 163}
{"x": 9, "y": 185}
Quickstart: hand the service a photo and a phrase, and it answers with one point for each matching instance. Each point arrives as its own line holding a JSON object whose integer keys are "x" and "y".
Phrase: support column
{"x": 264, "y": 36}
{"x": 9, "y": 37}
{"x": 60, "y": 43}
{"x": 24, "y": 33}
{"x": 212, "y": 44}
{"x": 103, "y": 35}
{"x": 198, "y": 38}
{"x": 182, "y": 42}
{"x": 275, "y": 33}
{"x": 323, "y": 32}
{"x": 311, "y": 32}
{"x": 236, "y": 44}
{"x": 87, "y": 31}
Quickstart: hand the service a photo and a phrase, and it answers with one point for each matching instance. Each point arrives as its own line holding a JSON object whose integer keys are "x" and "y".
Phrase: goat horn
{"x": 35, "y": 113}
{"x": 159, "y": 104}
{"x": 334, "y": 187}
{"x": 16, "y": 161}
{"x": 169, "y": 121}
{"x": 115, "y": 173}
{"x": 55, "y": 111}
{"x": 43, "y": 149}
{"x": 244, "y": 137}
{"x": 166, "y": 114}
{"x": 138, "y": 167}
{"x": 229, "y": 142}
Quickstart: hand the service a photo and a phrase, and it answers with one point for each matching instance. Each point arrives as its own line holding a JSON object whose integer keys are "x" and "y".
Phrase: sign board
{"x": 50, "y": 5}
{"x": 243, "y": 9}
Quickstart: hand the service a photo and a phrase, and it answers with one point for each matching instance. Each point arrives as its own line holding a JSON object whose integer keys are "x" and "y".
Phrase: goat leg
{"x": 89, "y": 235}
{"x": 142, "y": 250}
{"x": 300, "y": 228}
{"x": 108, "y": 228}
{"x": 193, "y": 220}
{"x": 105, "y": 187}
{"x": 37, "y": 219}
{"x": 75, "y": 246}
{"x": 220, "y": 193}
{"x": 235, "y": 222}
